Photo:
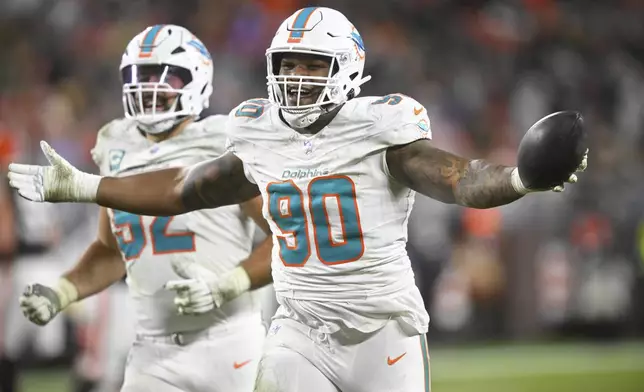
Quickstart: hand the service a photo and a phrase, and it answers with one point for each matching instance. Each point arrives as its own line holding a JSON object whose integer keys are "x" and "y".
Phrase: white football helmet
{"x": 322, "y": 32}
{"x": 162, "y": 62}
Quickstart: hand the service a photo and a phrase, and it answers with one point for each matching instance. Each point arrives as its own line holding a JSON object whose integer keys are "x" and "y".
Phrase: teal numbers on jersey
{"x": 343, "y": 190}
{"x": 286, "y": 206}
{"x": 393, "y": 99}
{"x": 132, "y": 243}
{"x": 164, "y": 242}
{"x": 253, "y": 108}
{"x": 288, "y": 210}
{"x": 132, "y": 237}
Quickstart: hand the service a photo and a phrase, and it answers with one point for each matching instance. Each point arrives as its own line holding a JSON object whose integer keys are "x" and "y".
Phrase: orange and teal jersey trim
{"x": 147, "y": 44}
{"x": 299, "y": 24}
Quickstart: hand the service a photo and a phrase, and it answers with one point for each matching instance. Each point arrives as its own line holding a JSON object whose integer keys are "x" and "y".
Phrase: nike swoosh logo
{"x": 391, "y": 361}
{"x": 237, "y": 365}
{"x": 418, "y": 111}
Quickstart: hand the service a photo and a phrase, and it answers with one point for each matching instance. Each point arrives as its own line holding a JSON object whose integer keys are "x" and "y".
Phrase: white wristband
{"x": 234, "y": 283}
{"x": 87, "y": 188}
{"x": 66, "y": 291}
{"x": 517, "y": 184}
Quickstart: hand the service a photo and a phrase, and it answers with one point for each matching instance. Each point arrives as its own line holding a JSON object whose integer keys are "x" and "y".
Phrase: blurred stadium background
{"x": 545, "y": 293}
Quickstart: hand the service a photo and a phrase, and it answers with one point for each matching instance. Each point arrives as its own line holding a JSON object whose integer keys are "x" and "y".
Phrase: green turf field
{"x": 569, "y": 368}
{"x": 502, "y": 368}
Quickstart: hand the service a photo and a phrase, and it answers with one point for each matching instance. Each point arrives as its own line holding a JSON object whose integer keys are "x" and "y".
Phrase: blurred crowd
{"x": 549, "y": 264}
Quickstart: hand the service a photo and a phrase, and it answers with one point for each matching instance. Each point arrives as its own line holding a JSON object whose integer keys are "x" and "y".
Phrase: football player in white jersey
{"x": 167, "y": 82}
{"x": 337, "y": 175}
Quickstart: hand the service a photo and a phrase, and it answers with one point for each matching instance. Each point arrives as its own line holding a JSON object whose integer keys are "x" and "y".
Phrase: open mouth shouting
{"x": 162, "y": 103}
{"x": 307, "y": 95}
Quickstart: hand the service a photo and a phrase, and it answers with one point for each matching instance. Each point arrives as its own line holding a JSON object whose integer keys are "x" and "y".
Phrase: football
{"x": 551, "y": 150}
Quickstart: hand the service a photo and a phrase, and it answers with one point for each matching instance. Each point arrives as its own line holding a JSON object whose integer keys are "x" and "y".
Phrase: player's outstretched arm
{"x": 99, "y": 267}
{"x": 210, "y": 184}
{"x": 213, "y": 183}
{"x": 449, "y": 178}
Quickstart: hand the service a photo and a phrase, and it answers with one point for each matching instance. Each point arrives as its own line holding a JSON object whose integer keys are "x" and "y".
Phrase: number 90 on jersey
{"x": 335, "y": 232}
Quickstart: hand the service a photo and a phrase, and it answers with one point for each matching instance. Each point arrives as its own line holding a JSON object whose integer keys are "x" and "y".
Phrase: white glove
{"x": 201, "y": 290}
{"x": 60, "y": 182}
{"x": 40, "y": 304}
{"x": 522, "y": 190}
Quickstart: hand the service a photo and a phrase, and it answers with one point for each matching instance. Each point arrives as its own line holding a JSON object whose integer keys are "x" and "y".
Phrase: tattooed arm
{"x": 449, "y": 178}
{"x": 214, "y": 183}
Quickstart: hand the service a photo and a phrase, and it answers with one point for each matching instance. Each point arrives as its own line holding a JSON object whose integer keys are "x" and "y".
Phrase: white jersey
{"x": 222, "y": 237}
{"x": 339, "y": 220}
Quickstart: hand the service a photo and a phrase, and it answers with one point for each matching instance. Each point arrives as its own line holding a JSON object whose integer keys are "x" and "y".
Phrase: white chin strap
{"x": 159, "y": 126}
{"x": 149, "y": 124}
{"x": 302, "y": 120}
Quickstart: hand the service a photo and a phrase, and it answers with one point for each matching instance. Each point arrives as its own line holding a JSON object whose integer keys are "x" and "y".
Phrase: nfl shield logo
{"x": 308, "y": 147}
